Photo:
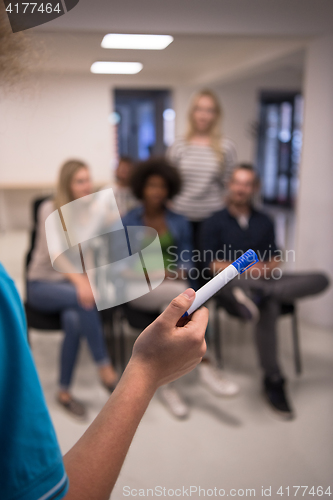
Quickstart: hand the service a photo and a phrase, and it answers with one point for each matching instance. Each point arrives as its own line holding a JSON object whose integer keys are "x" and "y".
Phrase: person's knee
{"x": 320, "y": 282}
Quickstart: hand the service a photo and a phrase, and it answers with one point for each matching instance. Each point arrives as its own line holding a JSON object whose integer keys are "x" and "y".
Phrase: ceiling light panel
{"x": 116, "y": 68}
{"x": 136, "y": 42}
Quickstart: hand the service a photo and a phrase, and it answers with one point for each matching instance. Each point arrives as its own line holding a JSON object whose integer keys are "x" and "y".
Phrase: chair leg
{"x": 112, "y": 344}
{"x": 296, "y": 344}
{"x": 217, "y": 339}
{"x": 119, "y": 347}
{"x": 122, "y": 344}
{"x": 108, "y": 327}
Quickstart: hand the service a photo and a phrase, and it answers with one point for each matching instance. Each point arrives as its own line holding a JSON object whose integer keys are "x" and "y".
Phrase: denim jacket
{"x": 179, "y": 228}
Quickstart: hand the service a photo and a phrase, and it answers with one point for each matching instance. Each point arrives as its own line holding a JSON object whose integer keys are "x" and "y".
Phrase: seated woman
{"x": 69, "y": 294}
{"x": 155, "y": 182}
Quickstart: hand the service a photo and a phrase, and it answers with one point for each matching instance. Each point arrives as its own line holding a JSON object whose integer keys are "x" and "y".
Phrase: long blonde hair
{"x": 215, "y": 131}
{"x": 63, "y": 193}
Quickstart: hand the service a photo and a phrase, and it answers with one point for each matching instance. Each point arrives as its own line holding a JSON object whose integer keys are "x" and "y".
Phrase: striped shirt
{"x": 203, "y": 177}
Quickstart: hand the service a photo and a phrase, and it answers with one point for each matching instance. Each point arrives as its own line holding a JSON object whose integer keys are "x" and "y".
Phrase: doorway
{"x": 279, "y": 147}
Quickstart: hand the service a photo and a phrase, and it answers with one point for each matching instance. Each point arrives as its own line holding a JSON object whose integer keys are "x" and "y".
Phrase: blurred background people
{"x": 259, "y": 292}
{"x": 68, "y": 293}
{"x": 121, "y": 185}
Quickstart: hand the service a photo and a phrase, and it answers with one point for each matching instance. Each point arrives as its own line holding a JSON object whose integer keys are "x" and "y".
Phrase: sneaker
{"x": 172, "y": 400}
{"x": 274, "y": 392}
{"x": 74, "y": 408}
{"x": 247, "y": 309}
{"x": 217, "y": 384}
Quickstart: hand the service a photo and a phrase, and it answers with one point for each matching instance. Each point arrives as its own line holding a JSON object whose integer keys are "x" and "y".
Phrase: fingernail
{"x": 189, "y": 293}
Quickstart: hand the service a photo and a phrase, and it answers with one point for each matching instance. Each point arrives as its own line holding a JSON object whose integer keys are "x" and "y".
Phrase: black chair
{"x": 118, "y": 318}
{"x": 285, "y": 310}
{"x": 116, "y": 321}
{"x": 36, "y": 319}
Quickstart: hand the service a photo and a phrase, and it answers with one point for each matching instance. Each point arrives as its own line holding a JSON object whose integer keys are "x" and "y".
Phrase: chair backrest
{"x": 35, "y": 207}
{"x": 138, "y": 318}
{"x": 37, "y": 319}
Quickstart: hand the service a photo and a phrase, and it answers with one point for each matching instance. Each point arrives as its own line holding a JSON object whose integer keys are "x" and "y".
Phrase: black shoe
{"x": 275, "y": 395}
{"x": 74, "y": 408}
{"x": 246, "y": 307}
{"x": 109, "y": 387}
{"x": 238, "y": 304}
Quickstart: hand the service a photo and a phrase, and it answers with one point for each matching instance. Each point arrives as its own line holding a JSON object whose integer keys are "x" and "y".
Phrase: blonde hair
{"x": 215, "y": 131}
{"x": 63, "y": 193}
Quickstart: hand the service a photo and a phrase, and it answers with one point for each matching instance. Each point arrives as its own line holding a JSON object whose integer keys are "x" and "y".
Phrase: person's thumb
{"x": 177, "y": 307}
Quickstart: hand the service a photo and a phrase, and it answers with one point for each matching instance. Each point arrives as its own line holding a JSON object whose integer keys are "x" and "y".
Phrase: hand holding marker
{"x": 247, "y": 260}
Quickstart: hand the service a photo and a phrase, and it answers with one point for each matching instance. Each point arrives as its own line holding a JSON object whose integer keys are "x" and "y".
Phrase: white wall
{"x": 59, "y": 117}
{"x": 315, "y": 202}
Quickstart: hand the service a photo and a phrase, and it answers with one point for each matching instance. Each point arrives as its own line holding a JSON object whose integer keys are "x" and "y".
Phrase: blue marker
{"x": 247, "y": 260}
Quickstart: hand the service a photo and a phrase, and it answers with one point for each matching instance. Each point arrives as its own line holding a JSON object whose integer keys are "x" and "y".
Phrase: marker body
{"x": 213, "y": 286}
{"x": 244, "y": 262}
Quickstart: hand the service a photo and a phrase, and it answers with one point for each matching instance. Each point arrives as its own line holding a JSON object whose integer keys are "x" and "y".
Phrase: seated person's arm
{"x": 265, "y": 267}
{"x": 83, "y": 289}
{"x": 162, "y": 353}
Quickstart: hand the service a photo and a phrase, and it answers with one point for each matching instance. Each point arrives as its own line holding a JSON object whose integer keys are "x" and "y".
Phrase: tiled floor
{"x": 226, "y": 444}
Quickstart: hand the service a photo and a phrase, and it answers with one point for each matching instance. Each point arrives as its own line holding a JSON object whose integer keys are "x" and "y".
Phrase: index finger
{"x": 200, "y": 316}
{"x": 196, "y": 319}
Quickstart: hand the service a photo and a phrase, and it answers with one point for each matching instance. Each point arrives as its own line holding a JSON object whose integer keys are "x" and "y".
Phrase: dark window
{"x": 279, "y": 146}
{"x": 142, "y": 122}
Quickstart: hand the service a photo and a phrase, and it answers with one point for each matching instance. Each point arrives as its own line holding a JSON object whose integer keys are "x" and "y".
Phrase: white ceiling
{"x": 215, "y": 41}
{"x": 189, "y": 60}
{"x": 223, "y": 17}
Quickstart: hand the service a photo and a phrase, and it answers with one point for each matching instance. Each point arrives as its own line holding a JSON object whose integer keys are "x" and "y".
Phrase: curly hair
{"x": 155, "y": 166}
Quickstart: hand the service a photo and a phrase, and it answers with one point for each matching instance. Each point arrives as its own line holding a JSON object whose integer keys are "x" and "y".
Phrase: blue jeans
{"x": 52, "y": 297}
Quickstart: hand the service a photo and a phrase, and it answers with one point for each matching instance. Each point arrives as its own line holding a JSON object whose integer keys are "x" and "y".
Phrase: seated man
{"x": 259, "y": 292}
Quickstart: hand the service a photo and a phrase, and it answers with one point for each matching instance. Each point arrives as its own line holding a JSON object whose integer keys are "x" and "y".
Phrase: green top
{"x": 166, "y": 240}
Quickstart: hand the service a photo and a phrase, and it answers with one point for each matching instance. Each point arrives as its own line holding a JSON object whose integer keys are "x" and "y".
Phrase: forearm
{"x": 74, "y": 278}
{"x": 94, "y": 462}
{"x": 264, "y": 267}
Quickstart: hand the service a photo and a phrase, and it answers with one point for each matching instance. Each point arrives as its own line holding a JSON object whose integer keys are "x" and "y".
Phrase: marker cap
{"x": 245, "y": 261}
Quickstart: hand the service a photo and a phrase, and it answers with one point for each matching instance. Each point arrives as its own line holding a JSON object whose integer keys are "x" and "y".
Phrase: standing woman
{"x": 205, "y": 161}
{"x": 69, "y": 294}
